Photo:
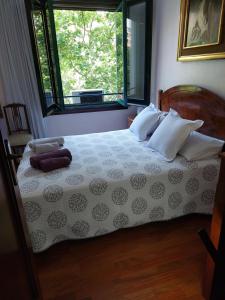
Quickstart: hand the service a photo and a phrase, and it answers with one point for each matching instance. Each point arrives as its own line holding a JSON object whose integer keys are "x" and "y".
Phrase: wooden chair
{"x": 18, "y": 125}
{"x": 13, "y": 161}
{"x": 18, "y": 274}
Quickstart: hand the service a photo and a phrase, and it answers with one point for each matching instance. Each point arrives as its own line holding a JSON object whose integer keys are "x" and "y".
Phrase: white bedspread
{"x": 113, "y": 182}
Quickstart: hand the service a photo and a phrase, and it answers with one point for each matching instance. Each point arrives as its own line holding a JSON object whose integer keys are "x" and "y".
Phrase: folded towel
{"x": 51, "y": 164}
{"x": 43, "y": 148}
{"x": 59, "y": 140}
{"x": 35, "y": 160}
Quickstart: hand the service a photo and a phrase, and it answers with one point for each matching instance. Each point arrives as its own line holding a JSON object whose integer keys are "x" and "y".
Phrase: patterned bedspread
{"x": 113, "y": 182}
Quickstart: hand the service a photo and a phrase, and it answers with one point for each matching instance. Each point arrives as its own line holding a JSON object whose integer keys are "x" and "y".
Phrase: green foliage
{"x": 38, "y": 24}
{"x": 90, "y": 50}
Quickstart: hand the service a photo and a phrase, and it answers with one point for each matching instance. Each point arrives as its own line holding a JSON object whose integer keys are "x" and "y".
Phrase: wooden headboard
{"x": 193, "y": 102}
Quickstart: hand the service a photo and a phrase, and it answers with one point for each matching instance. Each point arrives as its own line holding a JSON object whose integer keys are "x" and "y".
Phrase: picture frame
{"x": 202, "y": 30}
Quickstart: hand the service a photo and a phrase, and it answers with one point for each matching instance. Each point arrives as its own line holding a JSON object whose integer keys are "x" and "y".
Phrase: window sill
{"x": 72, "y": 109}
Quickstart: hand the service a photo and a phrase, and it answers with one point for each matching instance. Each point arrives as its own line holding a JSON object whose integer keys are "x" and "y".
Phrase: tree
{"x": 90, "y": 50}
{"x": 42, "y": 53}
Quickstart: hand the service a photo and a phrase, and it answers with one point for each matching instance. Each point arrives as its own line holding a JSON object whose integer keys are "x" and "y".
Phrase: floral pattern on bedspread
{"x": 113, "y": 182}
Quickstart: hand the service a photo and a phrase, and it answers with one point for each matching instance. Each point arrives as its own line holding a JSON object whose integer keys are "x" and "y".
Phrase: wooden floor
{"x": 159, "y": 261}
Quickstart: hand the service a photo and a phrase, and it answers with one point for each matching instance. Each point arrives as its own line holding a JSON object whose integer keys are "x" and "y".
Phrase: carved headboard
{"x": 193, "y": 102}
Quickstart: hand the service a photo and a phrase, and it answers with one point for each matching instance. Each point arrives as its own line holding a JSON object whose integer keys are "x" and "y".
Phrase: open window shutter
{"x": 38, "y": 42}
{"x": 137, "y": 28}
{"x": 47, "y": 55}
{"x": 119, "y": 54}
{"x": 109, "y": 5}
{"x": 53, "y": 54}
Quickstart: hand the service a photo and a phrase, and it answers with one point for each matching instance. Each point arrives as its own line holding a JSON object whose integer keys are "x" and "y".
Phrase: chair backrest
{"x": 16, "y": 118}
{"x": 12, "y": 161}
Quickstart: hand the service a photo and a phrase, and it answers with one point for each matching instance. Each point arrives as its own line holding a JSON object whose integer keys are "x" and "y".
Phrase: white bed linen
{"x": 113, "y": 182}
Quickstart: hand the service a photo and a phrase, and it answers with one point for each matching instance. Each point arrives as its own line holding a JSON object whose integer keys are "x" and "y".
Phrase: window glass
{"x": 43, "y": 57}
{"x": 136, "y": 50}
{"x": 90, "y": 55}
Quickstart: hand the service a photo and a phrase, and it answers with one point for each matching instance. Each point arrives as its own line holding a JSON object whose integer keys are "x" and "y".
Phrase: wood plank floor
{"x": 159, "y": 261}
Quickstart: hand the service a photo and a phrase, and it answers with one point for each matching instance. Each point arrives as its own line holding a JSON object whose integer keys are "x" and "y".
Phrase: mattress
{"x": 113, "y": 182}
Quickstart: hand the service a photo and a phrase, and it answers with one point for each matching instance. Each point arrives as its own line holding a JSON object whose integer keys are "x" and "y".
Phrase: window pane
{"x": 89, "y": 47}
{"x": 119, "y": 54}
{"x": 136, "y": 51}
{"x": 53, "y": 52}
{"x": 43, "y": 58}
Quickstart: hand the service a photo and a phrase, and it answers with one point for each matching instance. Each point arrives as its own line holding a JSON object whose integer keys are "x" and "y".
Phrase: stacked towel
{"x": 46, "y": 145}
{"x": 44, "y": 148}
{"x": 59, "y": 140}
{"x": 51, "y": 164}
{"x": 52, "y": 160}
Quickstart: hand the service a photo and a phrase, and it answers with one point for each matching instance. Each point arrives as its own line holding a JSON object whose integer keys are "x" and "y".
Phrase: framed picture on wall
{"x": 202, "y": 30}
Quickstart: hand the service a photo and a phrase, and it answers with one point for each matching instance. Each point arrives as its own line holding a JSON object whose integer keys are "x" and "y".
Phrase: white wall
{"x": 167, "y": 71}
{"x": 81, "y": 123}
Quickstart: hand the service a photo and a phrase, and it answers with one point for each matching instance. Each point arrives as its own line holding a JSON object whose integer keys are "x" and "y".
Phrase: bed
{"x": 115, "y": 182}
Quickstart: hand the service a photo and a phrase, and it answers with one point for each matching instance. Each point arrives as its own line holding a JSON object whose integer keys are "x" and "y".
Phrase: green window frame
{"x": 55, "y": 103}
{"x": 142, "y": 48}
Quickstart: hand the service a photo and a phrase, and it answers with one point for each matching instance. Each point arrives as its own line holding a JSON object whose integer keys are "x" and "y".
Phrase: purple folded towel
{"x": 35, "y": 160}
{"x": 51, "y": 164}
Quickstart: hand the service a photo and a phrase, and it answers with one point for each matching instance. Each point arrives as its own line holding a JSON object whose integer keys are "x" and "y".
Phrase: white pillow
{"x": 140, "y": 109}
{"x": 162, "y": 116}
{"x": 150, "y": 107}
{"x": 144, "y": 124}
{"x": 200, "y": 146}
{"x": 171, "y": 134}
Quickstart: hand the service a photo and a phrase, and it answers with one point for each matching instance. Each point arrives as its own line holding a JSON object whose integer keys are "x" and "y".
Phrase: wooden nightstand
{"x": 131, "y": 118}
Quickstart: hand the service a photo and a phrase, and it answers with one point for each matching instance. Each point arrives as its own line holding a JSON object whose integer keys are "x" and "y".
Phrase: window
{"x": 138, "y": 49}
{"x": 89, "y": 64}
{"x": 91, "y": 54}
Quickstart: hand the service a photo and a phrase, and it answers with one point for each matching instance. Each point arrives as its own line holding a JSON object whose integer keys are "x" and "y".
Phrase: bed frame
{"x": 193, "y": 102}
